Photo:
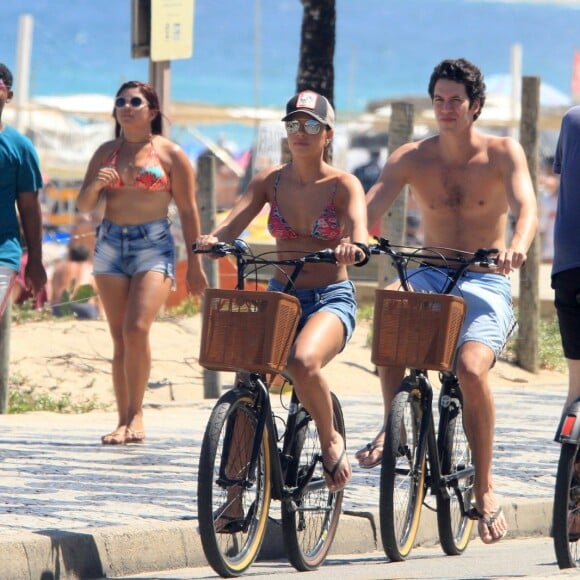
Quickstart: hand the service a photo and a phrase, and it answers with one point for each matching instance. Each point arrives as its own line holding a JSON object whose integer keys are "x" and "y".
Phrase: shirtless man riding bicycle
{"x": 465, "y": 183}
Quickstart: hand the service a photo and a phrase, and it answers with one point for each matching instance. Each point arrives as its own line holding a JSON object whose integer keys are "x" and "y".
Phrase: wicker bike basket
{"x": 416, "y": 330}
{"x": 245, "y": 330}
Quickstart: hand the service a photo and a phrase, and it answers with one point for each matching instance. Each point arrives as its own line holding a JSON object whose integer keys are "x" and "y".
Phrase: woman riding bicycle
{"x": 313, "y": 206}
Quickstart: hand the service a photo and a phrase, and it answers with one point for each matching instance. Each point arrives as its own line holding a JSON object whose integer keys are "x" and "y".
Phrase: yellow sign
{"x": 171, "y": 29}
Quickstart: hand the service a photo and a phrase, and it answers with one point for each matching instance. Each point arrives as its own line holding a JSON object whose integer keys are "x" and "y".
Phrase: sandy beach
{"x": 61, "y": 357}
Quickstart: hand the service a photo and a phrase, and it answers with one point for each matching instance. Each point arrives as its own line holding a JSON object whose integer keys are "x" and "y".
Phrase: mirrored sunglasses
{"x": 135, "y": 102}
{"x": 309, "y": 126}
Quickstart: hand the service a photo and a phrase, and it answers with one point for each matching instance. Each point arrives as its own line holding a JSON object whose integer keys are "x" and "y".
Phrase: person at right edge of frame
{"x": 465, "y": 184}
{"x": 566, "y": 262}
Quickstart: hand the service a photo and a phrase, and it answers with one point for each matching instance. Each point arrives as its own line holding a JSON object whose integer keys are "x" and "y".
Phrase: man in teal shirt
{"x": 20, "y": 180}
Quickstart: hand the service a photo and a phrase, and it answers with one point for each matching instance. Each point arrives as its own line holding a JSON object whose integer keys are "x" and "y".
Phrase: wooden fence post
{"x": 5, "y": 321}
{"x": 207, "y": 210}
{"x": 393, "y": 222}
{"x": 529, "y": 304}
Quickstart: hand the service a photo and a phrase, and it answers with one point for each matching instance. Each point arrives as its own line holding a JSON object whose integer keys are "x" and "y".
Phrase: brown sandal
{"x": 135, "y": 436}
{"x": 115, "y": 438}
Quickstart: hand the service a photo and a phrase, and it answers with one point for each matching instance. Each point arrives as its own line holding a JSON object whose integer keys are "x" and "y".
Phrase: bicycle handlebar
{"x": 436, "y": 257}
{"x": 244, "y": 258}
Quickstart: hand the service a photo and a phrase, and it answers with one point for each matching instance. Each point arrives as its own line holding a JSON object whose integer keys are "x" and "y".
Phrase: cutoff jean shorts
{"x": 129, "y": 249}
{"x": 489, "y": 316}
{"x": 567, "y": 302}
{"x": 338, "y": 298}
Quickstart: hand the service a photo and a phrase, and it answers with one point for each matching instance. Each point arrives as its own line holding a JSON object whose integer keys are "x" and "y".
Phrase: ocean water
{"x": 246, "y": 51}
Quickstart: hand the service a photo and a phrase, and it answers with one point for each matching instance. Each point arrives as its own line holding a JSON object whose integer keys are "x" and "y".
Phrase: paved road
{"x": 67, "y": 502}
{"x": 523, "y": 558}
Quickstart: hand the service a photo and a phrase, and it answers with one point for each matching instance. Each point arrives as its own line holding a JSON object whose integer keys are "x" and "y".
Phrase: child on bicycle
{"x": 313, "y": 206}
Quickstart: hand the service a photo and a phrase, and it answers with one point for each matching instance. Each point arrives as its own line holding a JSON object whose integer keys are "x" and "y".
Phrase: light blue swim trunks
{"x": 489, "y": 317}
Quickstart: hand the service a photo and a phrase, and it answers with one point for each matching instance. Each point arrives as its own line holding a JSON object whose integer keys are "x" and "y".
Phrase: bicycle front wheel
{"x": 566, "y": 509}
{"x": 455, "y": 499}
{"x": 232, "y": 500}
{"x": 402, "y": 476}
{"x": 309, "y": 524}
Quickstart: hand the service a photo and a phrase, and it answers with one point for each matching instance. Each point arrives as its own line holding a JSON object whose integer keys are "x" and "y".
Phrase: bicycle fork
{"x": 258, "y": 392}
{"x": 450, "y": 404}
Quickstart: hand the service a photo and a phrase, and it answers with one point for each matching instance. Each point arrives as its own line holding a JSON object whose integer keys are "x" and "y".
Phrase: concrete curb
{"x": 124, "y": 550}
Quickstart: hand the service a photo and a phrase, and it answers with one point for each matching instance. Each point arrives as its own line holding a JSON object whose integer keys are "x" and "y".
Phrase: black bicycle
{"x": 419, "y": 331}
{"x": 566, "y": 509}
{"x": 245, "y": 461}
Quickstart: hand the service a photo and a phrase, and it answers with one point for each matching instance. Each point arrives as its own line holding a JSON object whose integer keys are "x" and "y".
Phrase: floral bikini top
{"x": 326, "y": 227}
{"x": 151, "y": 175}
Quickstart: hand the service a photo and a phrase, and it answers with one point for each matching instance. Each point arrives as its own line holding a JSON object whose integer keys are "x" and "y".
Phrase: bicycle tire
{"x": 402, "y": 487}
{"x": 231, "y": 547}
{"x": 566, "y": 503}
{"x": 309, "y": 526}
{"x": 455, "y": 455}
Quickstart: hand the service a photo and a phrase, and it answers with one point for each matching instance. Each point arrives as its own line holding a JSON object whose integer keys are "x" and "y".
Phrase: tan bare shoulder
{"x": 346, "y": 182}
{"x": 414, "y": 153}
{"x": 106, "y": 149}
{"x": 503, "y": 149}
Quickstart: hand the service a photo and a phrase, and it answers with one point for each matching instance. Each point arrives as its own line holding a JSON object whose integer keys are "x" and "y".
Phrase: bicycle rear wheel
{"x": 232, "y": 503}
{"x": 402, "y": 484}
{"x": 566, "y": 508}
{"x": 455, "y": 455}
{"x": 309, "y": 524}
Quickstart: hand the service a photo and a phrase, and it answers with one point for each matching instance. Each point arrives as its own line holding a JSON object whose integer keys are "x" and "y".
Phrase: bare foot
{"x": 491, "y": 525}
{"x": 337, "y": 471}
{"x": 371, "y": 454}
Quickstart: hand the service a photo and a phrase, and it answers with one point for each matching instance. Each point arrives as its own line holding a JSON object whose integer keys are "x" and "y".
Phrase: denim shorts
{"x": 130, "y": 249}
{"x": 489, "y": 316}
{"x": 338, "y": 298}
{"x": 567, "y": 301}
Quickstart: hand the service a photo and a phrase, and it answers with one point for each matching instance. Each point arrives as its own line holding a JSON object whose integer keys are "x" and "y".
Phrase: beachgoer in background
{"x": 548, "y": 184}
{"x": 369, "y": 172}
{"x": 73, "y": 287}
{"x": 465, "y": 183}
{"x": 20, "y": 182}
{"x": 313, "y": 206}
{"x": 136, "y": 176}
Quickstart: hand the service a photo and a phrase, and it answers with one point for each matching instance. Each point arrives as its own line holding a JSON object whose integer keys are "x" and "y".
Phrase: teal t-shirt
{"x": 19, "y": 173}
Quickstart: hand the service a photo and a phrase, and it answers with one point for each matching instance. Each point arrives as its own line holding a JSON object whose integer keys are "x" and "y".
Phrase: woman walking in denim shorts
{"x": 135, "y": 177}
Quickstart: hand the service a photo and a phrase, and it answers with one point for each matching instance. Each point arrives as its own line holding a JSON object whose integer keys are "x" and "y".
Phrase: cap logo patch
{"x": 306, "y": 101}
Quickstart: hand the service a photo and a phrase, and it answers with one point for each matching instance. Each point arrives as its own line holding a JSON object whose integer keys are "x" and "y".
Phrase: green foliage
{"x": 24, "y": 398}
{"x": 550, "y": 351}
{"x": 21, "y": 313}
{"x": 189, "y": 307}
{"x": 365, "y": 312}
{"x": 26, "y": 401}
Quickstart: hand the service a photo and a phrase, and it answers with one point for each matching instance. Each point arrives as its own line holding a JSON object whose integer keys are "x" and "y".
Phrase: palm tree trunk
{"x": 317, "y": 41}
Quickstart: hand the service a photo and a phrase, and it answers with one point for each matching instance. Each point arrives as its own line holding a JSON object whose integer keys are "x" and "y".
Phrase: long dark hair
{"x": 152, "y": 99}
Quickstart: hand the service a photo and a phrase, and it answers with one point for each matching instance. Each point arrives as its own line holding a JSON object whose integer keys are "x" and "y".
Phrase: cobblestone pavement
{"x": 55, "y": 475}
